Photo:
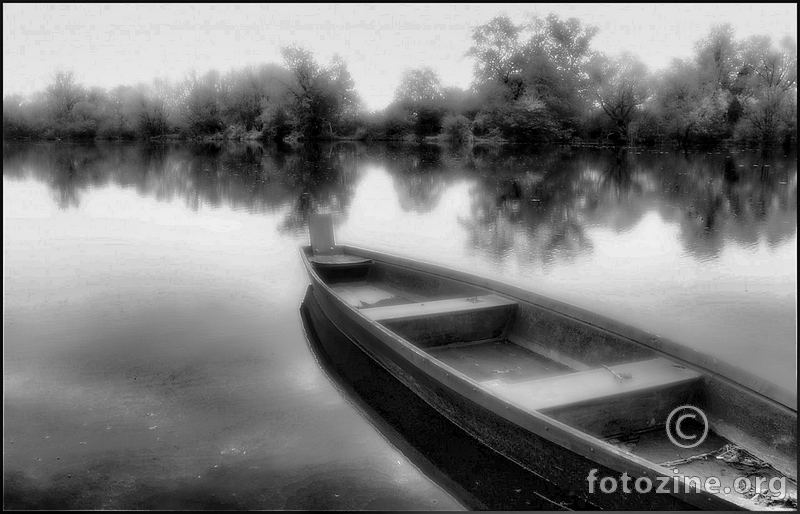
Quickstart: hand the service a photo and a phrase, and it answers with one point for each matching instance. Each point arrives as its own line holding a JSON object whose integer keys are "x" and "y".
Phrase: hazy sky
{"x": 110, "y": 44}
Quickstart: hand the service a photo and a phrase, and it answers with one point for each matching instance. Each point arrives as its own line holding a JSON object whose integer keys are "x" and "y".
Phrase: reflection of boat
{"x": 567, "y": 394}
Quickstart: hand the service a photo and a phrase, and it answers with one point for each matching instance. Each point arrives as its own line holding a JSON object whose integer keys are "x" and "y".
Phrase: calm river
{"x": 154, "y": 355}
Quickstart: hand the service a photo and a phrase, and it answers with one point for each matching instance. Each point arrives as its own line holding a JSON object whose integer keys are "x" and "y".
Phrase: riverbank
{"x": 295, "y": 139}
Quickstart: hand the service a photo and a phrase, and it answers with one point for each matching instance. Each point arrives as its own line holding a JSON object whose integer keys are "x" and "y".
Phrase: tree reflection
{"x": 322, "y": 179}
{"x": 241, "y": 176}
{"x": 539, "y": 203}
{"x": 541, "y": 208}
{"x": 735, "y": 197}
{"x": 535, "y": 209}
{"x": 418, "y": 174}
{"x": 65, "y": 179}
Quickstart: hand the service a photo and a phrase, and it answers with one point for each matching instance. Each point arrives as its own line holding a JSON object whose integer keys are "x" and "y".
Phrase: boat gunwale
{"x": 696, "y": 359}
{"x": 541, "y": 425}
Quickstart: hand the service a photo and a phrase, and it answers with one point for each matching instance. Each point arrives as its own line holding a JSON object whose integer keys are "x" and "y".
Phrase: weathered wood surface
{"x": 597, "y": 384}
{"x": 337, "y": 259}
{"x": 416, "y": 366}
{"x": 320, "y": 232}
{"x": 593, "y": 320}
{"x": 437, "y": 307}
{"x": 435, "y": 445}
{"x": 564, "y": 459}
{"x": 442, "y": 322}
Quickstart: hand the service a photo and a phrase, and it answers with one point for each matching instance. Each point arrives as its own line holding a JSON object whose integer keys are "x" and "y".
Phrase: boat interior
{"x": 603, "y": 384}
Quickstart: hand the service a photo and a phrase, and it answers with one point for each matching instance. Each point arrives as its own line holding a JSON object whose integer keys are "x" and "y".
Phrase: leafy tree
{"x": 73, "y": 110}
{"x": 556, "y": 56}
{"x": 544, "y": 59}
{"x": 276, "y": 122}
{"x": 419, "y": 85}
{"x": 524, "y": 120}
{"x": 496, "y": 49}
{"x": 716, "y": 58}
{"x": 152, "y": 115}
{"x": 457, "y": 128}
{"x": 709, "y": 117}
{"x": 313, "y": 106}
{"x": 420, "y": 96}
{"x": 242, "y": 97}
{"x": 748, "y": 87}
{"x": 688, "y": 111}
{"x": 87, "y": 114}
{"x": 458, "y": 100}
{"x": 348, "y": 102}
{"x": 768, "y": 81}
{"x": 118, "y": 119}
{"x": 63, "y": 94}
{"x": 675, "y": 90}
{"x": 716, "y": 61}
{"x": 18, "y": 121}
{"x": 393, "y": 123}
{"x": 427, "y": 121}
{"x": 321, "y": 96}
{"x": 619, "y": 85}
{"x": 200, "y": 106}
{"x": 245, "y": 93}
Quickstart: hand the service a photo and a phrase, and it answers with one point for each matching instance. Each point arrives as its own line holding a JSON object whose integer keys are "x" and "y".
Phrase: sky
{"x": 111, "y": 44}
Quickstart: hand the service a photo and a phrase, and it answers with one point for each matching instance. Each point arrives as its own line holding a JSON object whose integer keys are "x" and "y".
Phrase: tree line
{"x": 536, "y": 81}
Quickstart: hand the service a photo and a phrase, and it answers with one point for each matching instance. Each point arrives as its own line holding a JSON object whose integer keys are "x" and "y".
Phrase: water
{"x": 154, "y": 355}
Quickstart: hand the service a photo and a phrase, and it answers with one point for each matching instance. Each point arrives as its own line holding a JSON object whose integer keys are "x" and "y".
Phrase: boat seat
{"x": 363, "y": 295}
{"x": 328, "y": 259}
{"x": 452, "y": 305}
{"x": 601, "y": 403}
{"x": 323, "y": 246}
{"x": 341, "y": 259}
{"x": 439, "y": 322}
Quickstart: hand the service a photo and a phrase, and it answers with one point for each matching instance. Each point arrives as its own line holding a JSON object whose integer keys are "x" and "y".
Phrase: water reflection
{"x": 544, "y": 209}
{"x": 419, "y": 173}
{"x": 583, "y": 222}
{"x": 321, "y": 179}
{"x": 539, "y": 200}
{"x": 189, "y": 252}
{"x": 242, "y": 176}
{"x": 154, "y": 359}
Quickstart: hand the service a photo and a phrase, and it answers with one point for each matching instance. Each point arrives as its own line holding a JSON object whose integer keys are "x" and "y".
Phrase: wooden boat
{"x": 472, "y": 473}
{"x": 576, "y": 398}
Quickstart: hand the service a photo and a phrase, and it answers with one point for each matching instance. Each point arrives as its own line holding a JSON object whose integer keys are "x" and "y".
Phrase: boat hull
{"x": 566, "y": 470}
{"x": 474, "y": 474}
{"x": 413, "y": 319}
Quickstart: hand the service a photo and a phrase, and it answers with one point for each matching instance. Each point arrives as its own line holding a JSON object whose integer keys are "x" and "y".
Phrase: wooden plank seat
{"x": 339, "y": 259}
{"x": 435, "y": 307}
{"x": 365, "y": 294}
{"x": 440, "y": 322}
{"x": 600, "y": 403}
{"x": 323, "y": 246}
{"x": 329, "y": 260}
